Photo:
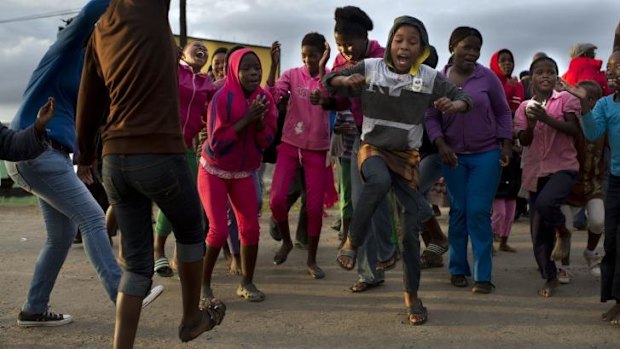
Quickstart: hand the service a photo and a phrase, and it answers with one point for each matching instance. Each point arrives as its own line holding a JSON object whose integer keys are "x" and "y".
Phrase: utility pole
{"x": 183, "y": 20}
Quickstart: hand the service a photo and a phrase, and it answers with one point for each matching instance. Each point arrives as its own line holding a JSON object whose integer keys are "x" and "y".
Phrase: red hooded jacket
{"x": 584, "y": 68}
{"x": 512, "y": 88}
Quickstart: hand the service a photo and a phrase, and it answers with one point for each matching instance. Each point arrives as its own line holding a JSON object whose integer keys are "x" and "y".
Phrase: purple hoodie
{"x": 487, "y": 122}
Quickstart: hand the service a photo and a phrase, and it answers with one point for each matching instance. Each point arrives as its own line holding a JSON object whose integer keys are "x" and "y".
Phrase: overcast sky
{"x": 524, "y": 26}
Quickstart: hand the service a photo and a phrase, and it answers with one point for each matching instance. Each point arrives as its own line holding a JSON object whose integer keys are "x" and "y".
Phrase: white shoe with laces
{"x": 46, "y": 319}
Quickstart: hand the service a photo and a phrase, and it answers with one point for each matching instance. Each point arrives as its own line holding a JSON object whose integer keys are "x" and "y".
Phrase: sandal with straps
{"x": 417, "y": 314}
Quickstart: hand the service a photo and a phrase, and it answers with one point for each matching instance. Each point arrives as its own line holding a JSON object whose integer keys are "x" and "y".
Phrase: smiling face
{"x": 195, "y": 54}
{"x": 218, "y": 63}
{"x": 311, "y": 56}
{"x": 506, "y": 63}
{"x": 250, "y": 72}
{"x": 351, "y": 48}
{"x": 613, "y": 71}
{"x": 466, "y": 53}
{"x": 405, "y": 48}
{"x": 544, "y": 77}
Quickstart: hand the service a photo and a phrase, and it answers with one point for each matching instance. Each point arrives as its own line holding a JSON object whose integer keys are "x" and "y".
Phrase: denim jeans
{"x": 378, "y": 180}
{"x": 66, "y": 204}
{"x": 471, "y": 186}
{"x": 610, "y": 266}
{"x": 133, "y": 183}
{"x": 378, "y": 244}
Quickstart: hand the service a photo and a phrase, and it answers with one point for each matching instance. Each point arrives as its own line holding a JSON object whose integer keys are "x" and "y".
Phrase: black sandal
{"x": 417, "y": 314}
{"x": 389, "y": 264}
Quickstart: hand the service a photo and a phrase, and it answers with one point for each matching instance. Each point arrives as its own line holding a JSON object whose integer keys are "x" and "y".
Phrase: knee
{"x": 136, "y": 283}
{"x": 596, "y": 226}
{"x": 216, "y": 238}
{"x": 249, "y": 237}
{"x": 379, "y": 182}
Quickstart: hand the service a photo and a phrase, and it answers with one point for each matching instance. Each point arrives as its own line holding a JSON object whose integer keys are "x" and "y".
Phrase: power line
{"x": 40, "y": 16}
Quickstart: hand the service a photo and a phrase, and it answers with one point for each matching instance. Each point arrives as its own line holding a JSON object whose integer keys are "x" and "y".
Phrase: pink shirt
{"x": 306, "y": 126}
{"x": 551, "y": 151}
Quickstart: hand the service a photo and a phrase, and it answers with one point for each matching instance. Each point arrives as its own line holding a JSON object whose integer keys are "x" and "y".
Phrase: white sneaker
{"x": 47, "y": 319}
{"x": 564, "y": 276}
{"x": 153, "y": 294}
{"x": 594, "y": 262}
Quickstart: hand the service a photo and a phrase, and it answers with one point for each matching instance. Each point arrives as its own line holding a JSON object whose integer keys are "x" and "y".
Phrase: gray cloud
{"x": 524, "y": 26}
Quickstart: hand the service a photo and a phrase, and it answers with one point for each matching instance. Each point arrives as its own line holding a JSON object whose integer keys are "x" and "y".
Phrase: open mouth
{"x": 403, "y": 60}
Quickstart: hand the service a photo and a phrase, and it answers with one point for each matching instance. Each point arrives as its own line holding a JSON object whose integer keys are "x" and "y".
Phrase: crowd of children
{"x": 544, "y": 138}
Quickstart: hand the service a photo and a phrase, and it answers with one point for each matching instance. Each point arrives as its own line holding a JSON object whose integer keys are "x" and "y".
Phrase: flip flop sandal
{"x": 346, "y": 254}
{"x": 389, "y": 264}
{"x": 361, "y": 286}
{"x": 250, "y": 293}
{"x": 436, "y": 249}
{"x": 153, "y": 294}
{"x": 430, "y": 260}
{"x": 162, "y": 267}
{"x": 417, "y": 314}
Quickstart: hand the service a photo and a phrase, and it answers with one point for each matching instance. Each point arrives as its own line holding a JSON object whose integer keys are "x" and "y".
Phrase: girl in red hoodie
{"x": 241, "y": 123}
{"x": 504, "y": 206}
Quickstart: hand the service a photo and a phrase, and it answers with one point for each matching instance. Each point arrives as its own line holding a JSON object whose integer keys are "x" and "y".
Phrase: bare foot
{"x": 561, "y": 249}
{"x": 549, "y": 287}
{"x": 282, "y": 253}
{"x": 612, "y": 313}
{"x": 234, "y": 267}
{"x": 506, "y": 248}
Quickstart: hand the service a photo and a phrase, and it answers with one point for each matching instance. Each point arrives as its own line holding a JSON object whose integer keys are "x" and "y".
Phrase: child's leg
{"x": 482, "y": 180}
{"x": 315, "y": 186}
{"x": 456, "y": 183}
{"x": 595, "y": 210}
{"x": 610, "y": 266}
{"x": 284, "y": 173}
{"x": 213, "y": 192}
{"x": 247, "y": 220}
{"x": 346, "y": 206}
{"x": 510, "y": 207}
{"x": 376, "y": 184}
{"x": 498, "y": 219}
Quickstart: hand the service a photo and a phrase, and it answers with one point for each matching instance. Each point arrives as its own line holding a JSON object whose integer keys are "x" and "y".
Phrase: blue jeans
{"x": 378, "y": 244}
{"x": 471, "y": 187}
{"x": 610, "y": 266}
{"x": 133, "y": 183}
{"x": 378, "y": 180}
{"x": 66, "y": 204}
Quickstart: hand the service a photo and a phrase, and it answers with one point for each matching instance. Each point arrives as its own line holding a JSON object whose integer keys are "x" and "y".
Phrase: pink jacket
{"x": 195, "y": 92}
{"x": 306, "y": 126}
{"x": 225, "y": 149}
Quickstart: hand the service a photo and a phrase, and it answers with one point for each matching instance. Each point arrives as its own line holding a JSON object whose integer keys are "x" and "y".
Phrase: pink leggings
{"x": 290, "y": 158}
{"x": 214, "y": 192}
{"x": 503, "y": 216}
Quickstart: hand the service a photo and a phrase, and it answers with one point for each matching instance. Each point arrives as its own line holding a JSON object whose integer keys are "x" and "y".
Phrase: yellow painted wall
{"x": 263, "y": 53}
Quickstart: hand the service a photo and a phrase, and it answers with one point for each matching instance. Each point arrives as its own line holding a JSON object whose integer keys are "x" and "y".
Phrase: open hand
{"x": 275, "y": 53}
{"x": 46, "y": 112}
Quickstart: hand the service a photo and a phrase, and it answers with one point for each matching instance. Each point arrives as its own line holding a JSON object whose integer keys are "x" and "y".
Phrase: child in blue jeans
{"x": 605, "y": 118}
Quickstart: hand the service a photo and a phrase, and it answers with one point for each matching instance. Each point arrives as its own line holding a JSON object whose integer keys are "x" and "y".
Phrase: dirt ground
{"x": 303, "y": 313}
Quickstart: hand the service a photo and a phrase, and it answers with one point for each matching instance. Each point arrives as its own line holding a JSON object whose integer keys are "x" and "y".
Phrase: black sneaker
{"x": 483, "y": 287}
{"x": 47, "y": 319}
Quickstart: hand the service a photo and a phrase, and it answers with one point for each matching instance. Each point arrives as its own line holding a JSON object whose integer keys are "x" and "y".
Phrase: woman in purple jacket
{"x": 472, "y": 146}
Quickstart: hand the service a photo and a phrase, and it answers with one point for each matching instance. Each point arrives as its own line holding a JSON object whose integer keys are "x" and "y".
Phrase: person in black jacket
{"x": 27, "y": 143}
